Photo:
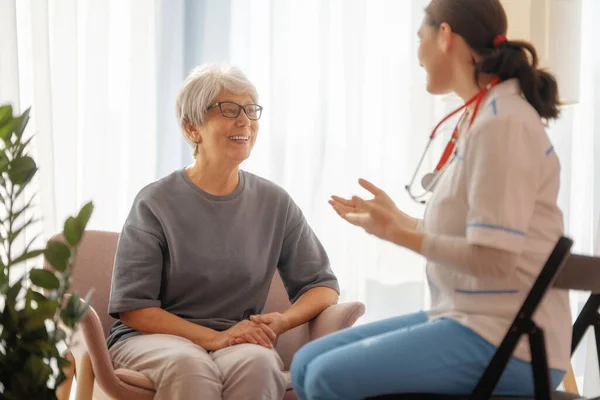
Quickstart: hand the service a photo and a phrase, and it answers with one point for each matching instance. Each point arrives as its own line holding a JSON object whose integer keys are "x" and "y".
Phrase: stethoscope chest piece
{"x": 427, "y": 180}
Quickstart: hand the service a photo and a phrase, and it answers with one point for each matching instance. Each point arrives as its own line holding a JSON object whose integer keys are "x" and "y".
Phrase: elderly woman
{"x": 197, "y": 254}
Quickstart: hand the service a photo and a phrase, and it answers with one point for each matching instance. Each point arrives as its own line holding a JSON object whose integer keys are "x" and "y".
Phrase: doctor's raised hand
{"x": 373, "y": 218}
{"x": 378, "y": 218}
{"x": 380, "y": 199}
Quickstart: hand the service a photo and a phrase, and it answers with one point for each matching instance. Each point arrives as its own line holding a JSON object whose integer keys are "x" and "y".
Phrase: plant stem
{"x": 9, "y": 211}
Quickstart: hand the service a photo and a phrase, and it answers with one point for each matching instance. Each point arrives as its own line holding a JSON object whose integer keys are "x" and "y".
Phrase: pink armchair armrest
{"x": 116, "y": 385}
{"x": 334, "y": 318}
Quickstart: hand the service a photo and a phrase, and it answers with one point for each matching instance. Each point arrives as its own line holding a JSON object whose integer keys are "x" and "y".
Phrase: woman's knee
{"x": 188, "y": 372}
{"x": 259, "y": 360}
{"x": 192, "y": 363}
{"x": 253, "y": 370}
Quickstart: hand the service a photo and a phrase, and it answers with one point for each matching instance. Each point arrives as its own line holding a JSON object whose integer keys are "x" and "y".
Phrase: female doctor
{"x": 490, "y": 224}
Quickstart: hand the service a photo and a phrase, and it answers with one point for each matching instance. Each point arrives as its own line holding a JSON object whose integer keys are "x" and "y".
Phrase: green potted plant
{"x": 36, "y": 314}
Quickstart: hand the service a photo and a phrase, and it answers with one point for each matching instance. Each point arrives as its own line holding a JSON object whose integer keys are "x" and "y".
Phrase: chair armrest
{"x": 334, "y": 318}
{"x": 95, "y": 346}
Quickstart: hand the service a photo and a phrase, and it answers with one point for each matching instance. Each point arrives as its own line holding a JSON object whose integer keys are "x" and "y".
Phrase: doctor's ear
{"x": 445, "y": 36}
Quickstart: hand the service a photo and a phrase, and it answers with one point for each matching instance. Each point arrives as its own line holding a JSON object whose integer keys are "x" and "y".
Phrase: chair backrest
{"x": 277, "y": 299}
{"x": 583, "y": 273}
{"x": 563, "y": 270}
{"x": 92, "y": 270}
{"x": 580, "y": 273}
{"x": 523, "y": 324}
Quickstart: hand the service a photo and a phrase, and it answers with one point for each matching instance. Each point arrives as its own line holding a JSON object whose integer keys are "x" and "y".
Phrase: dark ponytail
{"x": 516, "y": 59}
{"x": 480, "y": 22}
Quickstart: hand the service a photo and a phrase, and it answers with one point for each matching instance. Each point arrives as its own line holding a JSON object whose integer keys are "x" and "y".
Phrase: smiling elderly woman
{"x": 197, "y": 254}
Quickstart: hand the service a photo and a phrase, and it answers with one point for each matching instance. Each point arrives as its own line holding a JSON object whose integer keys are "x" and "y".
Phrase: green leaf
{"x": 21, "y": 385}
{"x": 37, "y": 296}
{"x": 23, "y": 147}
{"x": 13, "y": 292}
{"x": 40, "y": 335}
{"x": 40, "y": 346}
{"x": 6, "y": 114}
{"x": 47, "y": 308}
{"x": 59, "y": 336}
{"x": 57, "y": 254}
{"x": 11, "y": 317}
{"x": 84, "y": 215}
{"x": 33, "y": 295}
{"x": 44, "y": 279}
{"x": 26, "y": 256}
{"x": 37, "y": 370}
{"x": 73, "y": 231}
{"x": 28, "y": 299}
{"x": 3, "y": 279}
{"x": 8, "y": 127}
{"x": 74, "y": 310}
{"x": 10, "y": 320}
{"x": 23, "y": 120}
{"x": 3, "y": 161}
{"x": 35, "y": 318}
{"x": 21, "y": 170}
{"x": 69, "y": 311}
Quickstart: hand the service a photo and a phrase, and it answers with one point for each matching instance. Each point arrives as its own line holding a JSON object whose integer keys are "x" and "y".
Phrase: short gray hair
{"x": 201, "y": 87}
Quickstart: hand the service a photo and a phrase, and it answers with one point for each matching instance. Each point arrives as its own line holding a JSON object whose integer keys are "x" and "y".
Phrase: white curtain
{"x": 344, "y": 98}
{"x": 576, "y": 139}
{"x": 88, "y": 70}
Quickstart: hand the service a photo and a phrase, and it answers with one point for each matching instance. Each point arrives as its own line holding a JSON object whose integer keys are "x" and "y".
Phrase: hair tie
{"x": 499, "y": 40}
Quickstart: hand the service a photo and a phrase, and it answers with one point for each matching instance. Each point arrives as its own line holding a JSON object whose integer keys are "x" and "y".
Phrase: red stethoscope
{"x": 428, "y": 181}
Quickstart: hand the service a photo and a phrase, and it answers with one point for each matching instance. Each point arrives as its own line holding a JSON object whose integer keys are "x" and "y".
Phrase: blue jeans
{"x": 406, "y": 354}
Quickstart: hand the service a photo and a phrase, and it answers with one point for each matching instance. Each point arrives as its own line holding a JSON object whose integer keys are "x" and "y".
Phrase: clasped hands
{"x": 259, "y": 329}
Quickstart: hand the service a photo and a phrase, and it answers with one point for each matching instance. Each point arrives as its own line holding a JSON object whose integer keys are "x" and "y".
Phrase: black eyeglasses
{"x": 230, "y": 109}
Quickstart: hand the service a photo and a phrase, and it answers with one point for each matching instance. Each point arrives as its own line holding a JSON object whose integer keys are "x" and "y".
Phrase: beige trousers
{"x": 182, "y": 370}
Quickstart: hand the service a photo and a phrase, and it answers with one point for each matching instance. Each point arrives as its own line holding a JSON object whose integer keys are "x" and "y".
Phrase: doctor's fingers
{"x": 341, "y": 207}
{"x": 341, "y": 200}
{"x": 341, "y": 211}
{"x": 344, "y": 213}
{"x": 362, "y": 204}
{"x": 370, "y": 187}
{"x": 362, "y": 220}
{"x": 377, "y": 212}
